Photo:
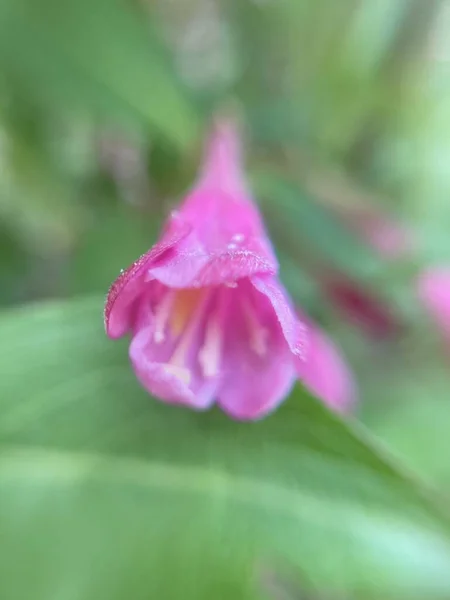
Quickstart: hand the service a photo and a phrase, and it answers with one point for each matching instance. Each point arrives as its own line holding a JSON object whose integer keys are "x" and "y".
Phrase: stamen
{"x": 186, "y": 303}
{"x": 210, "y": 353}
{"x": 162, "y": 314}
{"x": 176, "y": 363}
{"x": 258, "y": 334}
{"x": 178, "y": 357}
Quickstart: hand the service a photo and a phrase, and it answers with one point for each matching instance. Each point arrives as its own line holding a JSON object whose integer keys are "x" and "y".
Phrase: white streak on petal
{"x": 210, "y": 353}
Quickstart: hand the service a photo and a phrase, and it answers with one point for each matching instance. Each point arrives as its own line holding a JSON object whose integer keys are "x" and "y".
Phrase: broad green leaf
{"x": 108, "y": 494}
{"x": 417, "y": 428}
{"x": 14, "y": 263}
{"x": 415, "y": 415}
{"x": 101, "y": 55}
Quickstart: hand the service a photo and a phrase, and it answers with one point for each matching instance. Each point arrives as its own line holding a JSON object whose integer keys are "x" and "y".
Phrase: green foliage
{"x": 117, "y": 239}
{"x": 108, "y": 493}
{"x": 304, "y": 224}
{"x": 100, "y": 56}
{"x": 123, "y": 495}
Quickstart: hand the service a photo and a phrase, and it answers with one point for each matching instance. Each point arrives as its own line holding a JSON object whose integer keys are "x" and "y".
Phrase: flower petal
{"x": 229, "y": 241}
{"x": 433, "y": 289}
{"x": 293, "y": 329}
{"x": 174, "y": 384}
{"x": 118, "y": 313}
{"x": 198, "y": 265}
{"x": 257, "y": 374}
{"x": 216, "y": 237}
{"x": 325, "y": 372}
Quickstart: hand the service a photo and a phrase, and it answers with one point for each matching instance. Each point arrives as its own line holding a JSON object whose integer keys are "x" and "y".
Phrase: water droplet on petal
{"x": 238, "y": 237}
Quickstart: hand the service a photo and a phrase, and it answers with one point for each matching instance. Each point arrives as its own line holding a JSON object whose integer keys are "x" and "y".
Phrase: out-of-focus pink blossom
{"x": 433, "y": 288}
{"x": 390, "y": 238}
{"x": 361, "y": 307}
{"x": 208, "y": 316}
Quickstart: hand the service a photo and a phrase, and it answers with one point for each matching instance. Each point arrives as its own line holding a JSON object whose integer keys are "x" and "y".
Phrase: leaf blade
{"x": 79, "y": 440}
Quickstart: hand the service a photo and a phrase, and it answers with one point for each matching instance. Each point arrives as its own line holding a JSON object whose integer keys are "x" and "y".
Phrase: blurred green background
{"x": 105, "y": 493}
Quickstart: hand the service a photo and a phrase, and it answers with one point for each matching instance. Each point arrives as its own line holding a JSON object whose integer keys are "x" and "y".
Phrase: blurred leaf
{"x": 418, "y": 431}
{"x": 415, "y": 416}
{"x": 263, "y": 36}
{"x": 108, "y": 494}
{"x": 14, "y": 264}
{"x": 35, "y": 201}
{"x": 278, "y": 120}
{"x": 170, "y": 174}
{"x": 116, "y": 238}
{"x": 300, "y": 222}
{"x": 103, "y": 55}
{"x": 301, "y": 285}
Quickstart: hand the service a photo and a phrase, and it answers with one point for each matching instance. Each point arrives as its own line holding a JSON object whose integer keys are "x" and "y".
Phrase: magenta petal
{"x": 209, "y": 256}
{"x": 222, "y": 163}
{"x": 216, "y": 237}
{"x": 254, "y": 383}
{"x": 229, "y": 241}
{"x": 129, "y": 285}
{"x": 325, "y": 372}
{"x": 294, "y": 329}
{"x": 181, "y": 269}
{"x": 161, "y": 382}
{"x": 252, "y": 389}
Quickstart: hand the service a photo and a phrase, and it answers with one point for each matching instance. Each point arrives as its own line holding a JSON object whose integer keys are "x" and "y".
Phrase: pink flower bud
{"x": 433, "y": 288}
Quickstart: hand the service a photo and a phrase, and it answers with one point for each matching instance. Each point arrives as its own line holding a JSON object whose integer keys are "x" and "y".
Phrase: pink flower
{"x": 361, "y": 306}
{"x": 208, "y": 316}
{"x": 390, "y": 238}
{"x": 433, "y": 288}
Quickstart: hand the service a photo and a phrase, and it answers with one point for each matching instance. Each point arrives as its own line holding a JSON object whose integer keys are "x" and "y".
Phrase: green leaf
{"x": 301, "y": 223}
{"x": 109, "y": 494}
{"x": 14, "y": 264}
{"x": 115, "y": 239}
{"x": 36, "y": 202}
{"x": 415, "y": 416}
{"x": 103, "y": 57}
